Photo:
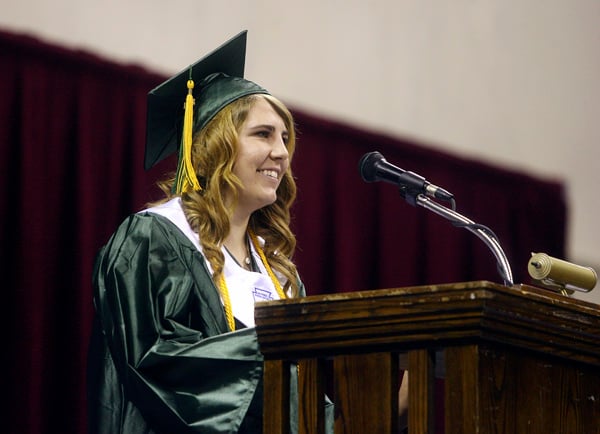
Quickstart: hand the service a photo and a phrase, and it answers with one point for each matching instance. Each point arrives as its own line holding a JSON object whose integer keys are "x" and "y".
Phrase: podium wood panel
{"x": 277, "y": 388}
{"x": 516, "y": 359}
{"x": 421, "y": 417}
{"x": 369, "y": 380}
{"x": 311, "y": 405}
{"x": 491, "y": 390}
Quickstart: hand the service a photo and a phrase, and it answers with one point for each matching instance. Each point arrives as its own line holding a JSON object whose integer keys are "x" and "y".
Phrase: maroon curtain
{"x": 72, "y": 132}
{"x": 354, "y": 235}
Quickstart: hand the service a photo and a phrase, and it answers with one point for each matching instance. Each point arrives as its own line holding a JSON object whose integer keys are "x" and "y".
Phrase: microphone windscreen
{"x": 544, "y": 267}
{"x": 367, "y": 166}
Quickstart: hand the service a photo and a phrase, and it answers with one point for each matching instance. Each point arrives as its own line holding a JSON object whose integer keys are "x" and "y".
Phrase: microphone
{"x": 373, "y": 167}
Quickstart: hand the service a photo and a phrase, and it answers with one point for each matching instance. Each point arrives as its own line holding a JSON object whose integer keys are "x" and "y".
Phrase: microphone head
{"x": 367, "y": 166}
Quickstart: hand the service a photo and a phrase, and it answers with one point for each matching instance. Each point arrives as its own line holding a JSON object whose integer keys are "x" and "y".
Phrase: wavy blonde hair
{"x": 214, "y": 151}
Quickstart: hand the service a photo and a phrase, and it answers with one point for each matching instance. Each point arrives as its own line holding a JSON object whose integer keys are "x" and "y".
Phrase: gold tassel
{"x": 224, "y": 291}
{"x": 186, "y": 176}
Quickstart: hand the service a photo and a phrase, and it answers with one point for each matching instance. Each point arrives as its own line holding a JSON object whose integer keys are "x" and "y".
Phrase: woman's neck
{"x": 236, "y": 240}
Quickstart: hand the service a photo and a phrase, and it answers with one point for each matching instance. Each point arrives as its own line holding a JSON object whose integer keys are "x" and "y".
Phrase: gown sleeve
{"x": 163, "y": 322}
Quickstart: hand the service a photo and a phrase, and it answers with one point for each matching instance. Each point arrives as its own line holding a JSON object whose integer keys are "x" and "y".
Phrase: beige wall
{"x": 512, "y": 82}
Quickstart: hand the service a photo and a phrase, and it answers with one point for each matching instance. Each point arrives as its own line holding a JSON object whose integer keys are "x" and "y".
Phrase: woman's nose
{"x": 279, "y": 150}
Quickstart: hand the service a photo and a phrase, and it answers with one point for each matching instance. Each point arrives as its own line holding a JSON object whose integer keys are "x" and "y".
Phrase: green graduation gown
{"x": 161, "y": 357}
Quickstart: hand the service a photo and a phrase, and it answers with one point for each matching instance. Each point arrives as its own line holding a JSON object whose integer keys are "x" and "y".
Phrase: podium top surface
{"x": 432, "y": 316}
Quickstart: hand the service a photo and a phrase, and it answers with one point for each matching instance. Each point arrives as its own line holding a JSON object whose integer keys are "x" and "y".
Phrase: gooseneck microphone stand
{"x": 481, "y": 231}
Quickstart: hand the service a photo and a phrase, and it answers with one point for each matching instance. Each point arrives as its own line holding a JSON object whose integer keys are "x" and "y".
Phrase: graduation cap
{"x": 178, "y": 107}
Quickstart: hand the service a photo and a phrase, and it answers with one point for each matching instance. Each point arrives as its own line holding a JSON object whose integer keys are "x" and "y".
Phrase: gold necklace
{"x": 225, "y": 291}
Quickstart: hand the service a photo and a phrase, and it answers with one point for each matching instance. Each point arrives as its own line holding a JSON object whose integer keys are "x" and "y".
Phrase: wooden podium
{"x": 514, "y": 359}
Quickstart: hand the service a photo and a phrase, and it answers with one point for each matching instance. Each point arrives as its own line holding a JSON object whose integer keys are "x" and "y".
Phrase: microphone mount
{"x": 485, "y": 234}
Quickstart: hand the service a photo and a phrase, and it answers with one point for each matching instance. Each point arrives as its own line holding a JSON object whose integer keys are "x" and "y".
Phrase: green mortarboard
{"x": 218, "y": 79}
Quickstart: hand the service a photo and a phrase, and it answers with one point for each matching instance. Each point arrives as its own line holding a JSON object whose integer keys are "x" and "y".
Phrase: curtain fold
{"x": 72, "y": 129}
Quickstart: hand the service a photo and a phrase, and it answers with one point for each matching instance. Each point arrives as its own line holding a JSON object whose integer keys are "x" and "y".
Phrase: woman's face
{"x": 262, "y": 157}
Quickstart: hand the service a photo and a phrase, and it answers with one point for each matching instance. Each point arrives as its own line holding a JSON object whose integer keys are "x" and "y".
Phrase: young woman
{"x": 174, "y": 348}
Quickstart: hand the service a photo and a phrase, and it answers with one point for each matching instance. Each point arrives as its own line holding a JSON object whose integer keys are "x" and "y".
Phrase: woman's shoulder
{"x": 143, "y": 236}
{"x": 164, "y": 224}
{"x": 171, "y": 210}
